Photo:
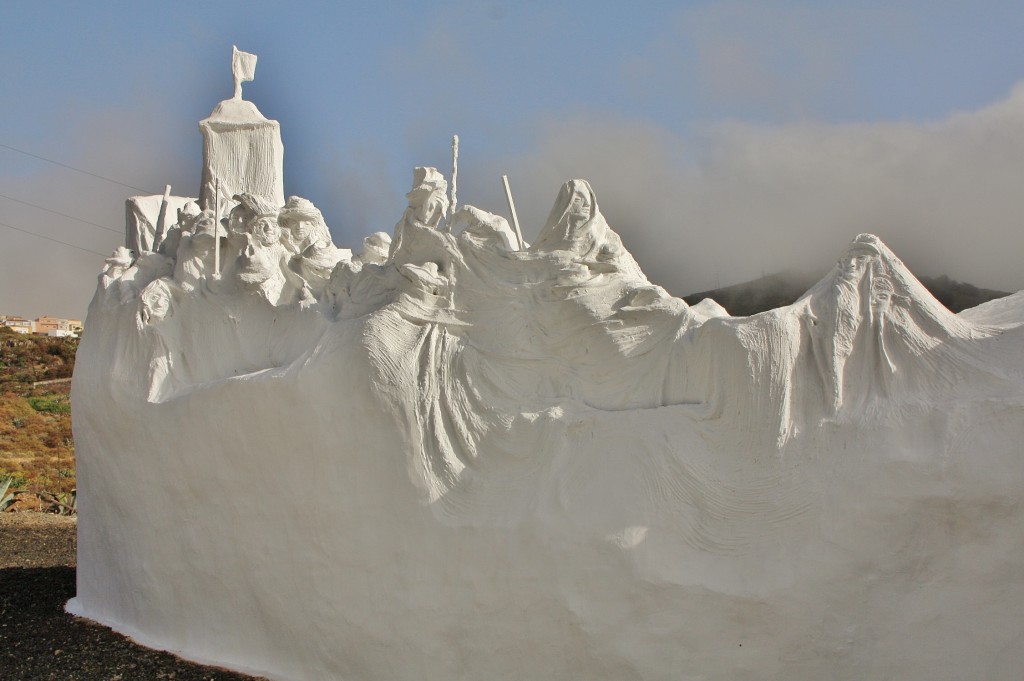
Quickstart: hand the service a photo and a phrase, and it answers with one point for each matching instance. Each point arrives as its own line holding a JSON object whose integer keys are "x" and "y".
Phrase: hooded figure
{"x": 428, "y": 203}
{"x": 576, "y": 225}
{"x": 306, "y": 236}
{"x": 302, "y": 225}
{"x": 195, "y": 251}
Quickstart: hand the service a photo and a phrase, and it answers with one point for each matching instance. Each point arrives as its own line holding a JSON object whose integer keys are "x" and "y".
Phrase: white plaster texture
{"x": 243, "y": 150}
{"x": 452, "y": 459}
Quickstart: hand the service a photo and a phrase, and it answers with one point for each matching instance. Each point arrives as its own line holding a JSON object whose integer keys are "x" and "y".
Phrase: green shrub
{"x": 53, "y": 405}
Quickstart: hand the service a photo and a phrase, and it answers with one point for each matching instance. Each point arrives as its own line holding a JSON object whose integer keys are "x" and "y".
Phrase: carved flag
{"x": 243, "y": 65}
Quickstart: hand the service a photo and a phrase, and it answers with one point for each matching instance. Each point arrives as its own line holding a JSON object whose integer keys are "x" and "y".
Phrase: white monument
{"x": 455, "y": 456}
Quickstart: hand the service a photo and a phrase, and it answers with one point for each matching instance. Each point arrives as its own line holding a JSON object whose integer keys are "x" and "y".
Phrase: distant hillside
{"x": 37, "y": 450}
{"x": 27, "y": 359}
{"x": 958, "y": 296}
{"x": 784, "y": 288}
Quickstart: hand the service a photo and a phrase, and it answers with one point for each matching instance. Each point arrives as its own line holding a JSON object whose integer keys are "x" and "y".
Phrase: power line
{"x": 58, "y": 241}
{"x": 77, "y": 170}
{"x": 63, "y": 215}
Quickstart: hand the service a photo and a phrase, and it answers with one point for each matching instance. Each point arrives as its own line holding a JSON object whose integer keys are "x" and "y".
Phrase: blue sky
{"x": 723, "y": 139}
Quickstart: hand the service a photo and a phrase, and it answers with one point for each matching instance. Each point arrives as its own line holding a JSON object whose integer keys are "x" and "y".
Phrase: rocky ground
{"x": 38, "y": 640}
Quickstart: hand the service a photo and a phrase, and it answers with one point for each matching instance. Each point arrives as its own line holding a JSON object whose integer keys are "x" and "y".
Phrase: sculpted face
{"x": 300, "y": 230}
{"x": 204, "y": 223}
{"x": 882, "y": 292}
{"x": 266, "y": 231}
{"x": 854, "y": 263}
{"x": 580, "y": 209}
{"x": 237, "y": 219}
{"x": 429, "y": 212}
{"x": 155, "y": 303}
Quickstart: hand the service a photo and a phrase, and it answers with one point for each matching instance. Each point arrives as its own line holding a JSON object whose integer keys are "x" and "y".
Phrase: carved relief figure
{"x": 260, "y": 267}
{"x": 861, "y": 301}
{"x": 576, "y": 225}
{"x": 155, "y": 303}
{"x": 241, "y": 219}
{"x": 423, "y": 253}
{"x": 486, "y": 229}
{"x": 375, "y": 249}
{"x": 302, "y": 224}
{"x": 306, "y": 236}
{"x": 116, "y": 265}
{"x": 428, "y": 202}
{"x": 195, "y": 252}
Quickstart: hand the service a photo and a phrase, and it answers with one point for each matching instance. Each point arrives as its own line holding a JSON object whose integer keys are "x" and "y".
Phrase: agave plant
{"x": 6, "y": 498}
{"x": 68, "y": 503}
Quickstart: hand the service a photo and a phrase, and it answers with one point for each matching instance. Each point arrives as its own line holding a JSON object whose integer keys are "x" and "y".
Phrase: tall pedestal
{"x": 243, "y": 150}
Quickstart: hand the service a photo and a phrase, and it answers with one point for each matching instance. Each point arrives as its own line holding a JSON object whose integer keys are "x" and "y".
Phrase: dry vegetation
{"x": 37, "y": 450}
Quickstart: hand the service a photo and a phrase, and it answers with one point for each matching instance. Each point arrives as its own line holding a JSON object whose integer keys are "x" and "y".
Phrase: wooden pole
{"x": 512, "y": 209}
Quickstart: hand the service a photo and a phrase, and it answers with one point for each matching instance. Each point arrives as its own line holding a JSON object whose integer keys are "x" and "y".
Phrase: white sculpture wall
{"x": 444, "y": 458}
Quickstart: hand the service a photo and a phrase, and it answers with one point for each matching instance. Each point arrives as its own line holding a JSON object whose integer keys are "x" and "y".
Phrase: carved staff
{"x": 512, "y": 209}
{"x": 161, "y": 218}
{"x": 216, "y": 227}
{"x": 455, "y": 179}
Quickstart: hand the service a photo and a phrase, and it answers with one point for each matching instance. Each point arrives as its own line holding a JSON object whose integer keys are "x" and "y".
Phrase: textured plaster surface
{"x": 446, "y": 458}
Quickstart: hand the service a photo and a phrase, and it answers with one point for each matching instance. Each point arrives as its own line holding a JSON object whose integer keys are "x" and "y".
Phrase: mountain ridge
{"x": 784, "y": 288}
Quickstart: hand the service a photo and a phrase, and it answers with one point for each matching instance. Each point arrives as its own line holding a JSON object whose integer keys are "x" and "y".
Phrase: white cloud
{"x": 739, "y": 199}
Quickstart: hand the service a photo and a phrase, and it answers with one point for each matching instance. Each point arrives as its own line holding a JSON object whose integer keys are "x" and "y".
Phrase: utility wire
{"x": 63, "y": 215}
{"x": 77, "y": 170}
{"x": 19, "y": 229}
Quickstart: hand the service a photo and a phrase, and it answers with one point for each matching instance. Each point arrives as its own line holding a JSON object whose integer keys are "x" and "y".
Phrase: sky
{"x": 724, "y": 140}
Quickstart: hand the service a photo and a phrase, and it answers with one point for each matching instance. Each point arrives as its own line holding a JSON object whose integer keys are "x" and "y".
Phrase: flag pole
{"x": 243, "y": 69}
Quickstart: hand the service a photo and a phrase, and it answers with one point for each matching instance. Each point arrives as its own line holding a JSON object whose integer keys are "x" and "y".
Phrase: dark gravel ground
{"x": 38, "y": 640}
